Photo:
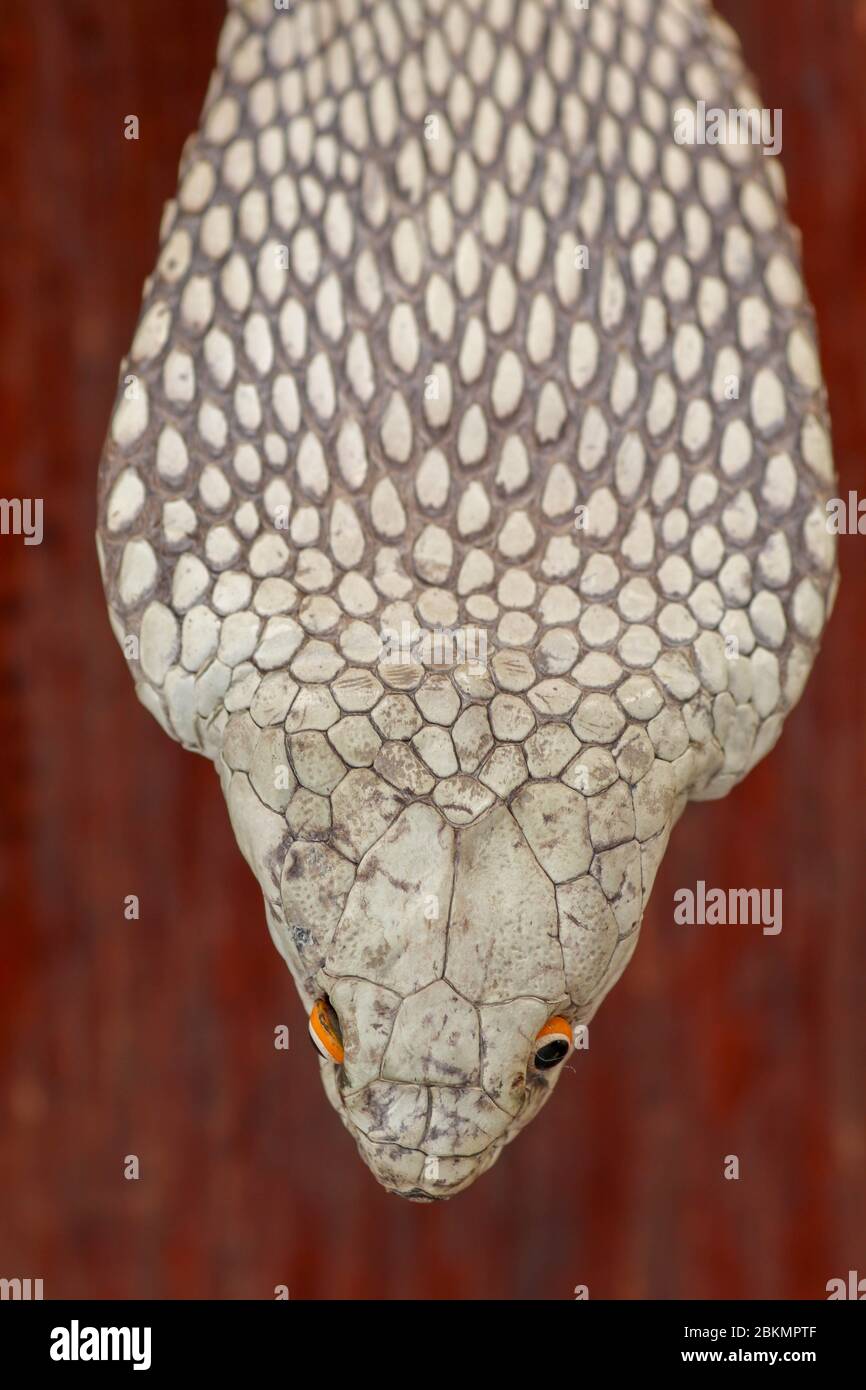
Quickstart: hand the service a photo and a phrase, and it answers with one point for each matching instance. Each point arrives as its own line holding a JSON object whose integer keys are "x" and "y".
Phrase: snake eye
{"x": 553, "y": 1044}
{"x": 325, "y": 1031}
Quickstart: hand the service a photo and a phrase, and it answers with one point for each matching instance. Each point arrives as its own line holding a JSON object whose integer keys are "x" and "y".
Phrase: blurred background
{"x": 155, "y": 1037}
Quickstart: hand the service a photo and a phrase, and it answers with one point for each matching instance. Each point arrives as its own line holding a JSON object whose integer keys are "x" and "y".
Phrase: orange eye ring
{"x": 553, "y": 1043}
{"x": 325, "y": 1031}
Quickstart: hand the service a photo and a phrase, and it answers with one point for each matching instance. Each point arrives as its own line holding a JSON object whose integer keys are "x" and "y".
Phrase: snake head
{"x": 448, "y": 969}
{"x": 443, "y": 969}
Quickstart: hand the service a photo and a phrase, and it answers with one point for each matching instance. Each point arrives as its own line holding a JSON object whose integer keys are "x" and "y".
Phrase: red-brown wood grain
{"x": 155, "y": 1037}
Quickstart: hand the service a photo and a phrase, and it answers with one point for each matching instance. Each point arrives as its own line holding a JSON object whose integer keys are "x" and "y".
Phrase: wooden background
{"x": 154, "y": 1037}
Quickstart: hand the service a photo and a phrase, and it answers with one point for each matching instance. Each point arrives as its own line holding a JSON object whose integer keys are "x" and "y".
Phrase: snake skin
{"x": 468, "y": 557}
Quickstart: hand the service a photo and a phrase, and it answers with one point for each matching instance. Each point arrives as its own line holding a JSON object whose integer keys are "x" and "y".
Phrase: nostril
{"x": 325, "y": 1030}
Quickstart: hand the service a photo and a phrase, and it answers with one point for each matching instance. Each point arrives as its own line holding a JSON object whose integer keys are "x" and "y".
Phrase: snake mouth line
{"x": 415, "y": 1194}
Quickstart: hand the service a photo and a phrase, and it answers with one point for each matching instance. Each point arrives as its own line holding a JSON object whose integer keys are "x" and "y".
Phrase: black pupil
{"x": 552, "y": 1053}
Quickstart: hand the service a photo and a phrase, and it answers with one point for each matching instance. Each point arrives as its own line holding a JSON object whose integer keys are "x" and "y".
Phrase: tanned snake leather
{"x": 464, "y": 502}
